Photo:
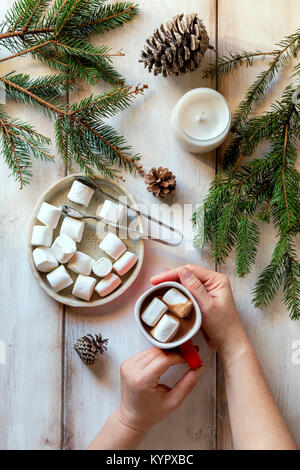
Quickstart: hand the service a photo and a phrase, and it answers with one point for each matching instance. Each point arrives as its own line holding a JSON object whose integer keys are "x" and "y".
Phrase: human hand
{"x": 221, "y": 325}
{"x": 144, "y": 400}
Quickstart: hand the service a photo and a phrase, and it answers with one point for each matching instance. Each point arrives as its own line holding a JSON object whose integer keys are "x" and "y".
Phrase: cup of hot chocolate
{"x": 169, "y": 316}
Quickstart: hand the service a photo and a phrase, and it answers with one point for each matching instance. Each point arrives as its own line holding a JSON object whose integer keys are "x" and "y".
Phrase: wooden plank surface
{"x": 44, "y": 387}
{"x": 30, "y": 322}
{"x": 91, "y": 394}
{"x": 245, "y": 25}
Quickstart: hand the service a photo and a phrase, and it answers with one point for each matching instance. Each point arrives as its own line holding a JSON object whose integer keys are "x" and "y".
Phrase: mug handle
{"x": 190, "y": 354}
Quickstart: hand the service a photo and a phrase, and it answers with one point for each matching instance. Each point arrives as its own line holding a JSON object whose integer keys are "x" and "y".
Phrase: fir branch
{"x": 247, "y": 243}
{"x": 225, "y": 65}
{"x": 22, "y": 33}
{"x": 103, "y": 140}
{"x": 271, "y": 278}
{"x": 291, "y": 287}
{"x": 99, "y": 18}
{"x": 27, "y": 51}
{"x": 19, "y": 141}
{"x": 265, "y": 188}
{"x": 62, "y": 43}
{"x": 55, "y": 33}
{"x": 287, "y": 49}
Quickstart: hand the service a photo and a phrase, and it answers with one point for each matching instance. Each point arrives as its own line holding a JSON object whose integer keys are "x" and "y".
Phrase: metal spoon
{"x": 88, "y": 182}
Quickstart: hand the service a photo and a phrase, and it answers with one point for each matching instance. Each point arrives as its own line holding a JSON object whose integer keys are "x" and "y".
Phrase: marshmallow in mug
{"x": 41, "y": 235}
{"x": 153, "y": 313}
{"x": 178, "y": 303}
{"x": 80, "y": 193}
{"x": 108, "y": 284}
{"x": 125, "y": 263}
{"x": 112, "y": 212}
{"x": 63, "y": 248}
{"x": 81, "y": 263}
{"x": 44, "y": 259}
{"x": 102, "y": 267}
{"x": 49, "y": 214}
{"x": 59, "y": 279}
{"x": 84, "y": 287}
{"x": 166, "y": 328}
{"x": 73, "y": 228}
{"x": 113, "y": 246}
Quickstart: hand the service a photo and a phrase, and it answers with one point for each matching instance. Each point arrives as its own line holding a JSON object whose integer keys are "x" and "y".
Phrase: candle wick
{"x": 201, "y": 117}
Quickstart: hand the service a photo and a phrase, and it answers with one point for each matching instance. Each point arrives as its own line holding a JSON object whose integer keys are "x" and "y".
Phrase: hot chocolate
{"x": 185, "y": 324}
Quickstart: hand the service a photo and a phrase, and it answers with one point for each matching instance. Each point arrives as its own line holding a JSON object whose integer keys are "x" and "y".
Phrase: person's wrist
{"x": 129, "y": 421}
{"x": 234, "y": 345}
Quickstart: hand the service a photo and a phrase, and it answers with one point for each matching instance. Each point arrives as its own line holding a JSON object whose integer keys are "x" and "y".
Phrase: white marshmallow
{"x": 49, "y": 214}
{"x": 80, "y": 193}
{"x": 44, "y": 259}
{"x": 112, "y": 212}
{"x": 102, "y": 267}
{"x": 113, "y": 246}
{"x": 59, "y": 279}
{"x": 41, "y": 235}
{"x": 178, "y": 303}
{"x": 166, "y": 328}
{"x": 125, "y": 263}
{"x": 108, "y": 284}
{"x": 84, "y": 287}
{"x": 73, "y": 228}
{"x": 63, "y": 248}
{"x": 81, "y": 263}
{"x": 153, "y": 313}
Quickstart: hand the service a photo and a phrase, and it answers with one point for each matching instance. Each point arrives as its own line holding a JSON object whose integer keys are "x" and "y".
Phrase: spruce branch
{"x": 72, "y": 123}
{"x": 266, "y": 188}
{"x": 18, "y": 142}
{"x": 57, "y": 33}
{"x": 225, "y": 65}
{"x": 287, "y": 49}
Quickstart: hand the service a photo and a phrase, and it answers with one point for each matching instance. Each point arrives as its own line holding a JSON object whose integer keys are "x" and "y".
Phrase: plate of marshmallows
{"x": 81, "y": 262}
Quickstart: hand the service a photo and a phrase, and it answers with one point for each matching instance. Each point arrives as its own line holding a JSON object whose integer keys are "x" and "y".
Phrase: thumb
{"x": 195, "y": 286}
{"x": 184, "y": 386}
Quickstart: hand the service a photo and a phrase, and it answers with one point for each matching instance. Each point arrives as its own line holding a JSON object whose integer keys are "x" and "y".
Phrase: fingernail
{"x": 199, "y": 370}
{"x": 186, "y": 274}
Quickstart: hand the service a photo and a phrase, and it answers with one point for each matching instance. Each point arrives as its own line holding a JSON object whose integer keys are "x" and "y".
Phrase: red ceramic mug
{"x": 185, "y": 344}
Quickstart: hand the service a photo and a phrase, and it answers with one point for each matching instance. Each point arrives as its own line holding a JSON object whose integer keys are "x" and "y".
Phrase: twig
{"x": 27, "y": 51}
{"x": 71, "y": 13}
{"x": 101, "y": 20}
{"x": 32, "y": 145}
{"x": 33, "y": 96}
{"x": 122, "y": 155}
{"x": 11, "y": 34}
{"x": 31, "y": 16}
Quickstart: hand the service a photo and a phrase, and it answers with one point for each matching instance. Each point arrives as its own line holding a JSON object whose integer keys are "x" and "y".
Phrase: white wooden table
{"x": 49, "y": 399}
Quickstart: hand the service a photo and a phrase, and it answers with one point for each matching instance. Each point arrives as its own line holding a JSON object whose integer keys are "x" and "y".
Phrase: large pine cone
{"x": 177, "y": 50}
{"x": 160, "y": 181}
{"x": 88, "y": 348}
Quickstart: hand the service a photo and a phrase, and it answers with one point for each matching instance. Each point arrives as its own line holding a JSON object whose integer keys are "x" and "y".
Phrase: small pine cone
{"x": 160, "y": 181}
{"x": 89, "y": 347}
{"x": 177, "y": 49}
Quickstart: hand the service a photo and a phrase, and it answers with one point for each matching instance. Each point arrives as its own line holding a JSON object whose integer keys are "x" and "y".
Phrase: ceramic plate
{"x": 57, "y": 195}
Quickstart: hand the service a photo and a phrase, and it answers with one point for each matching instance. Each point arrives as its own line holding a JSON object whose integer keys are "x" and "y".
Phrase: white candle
{"x": 201, "y": 120}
